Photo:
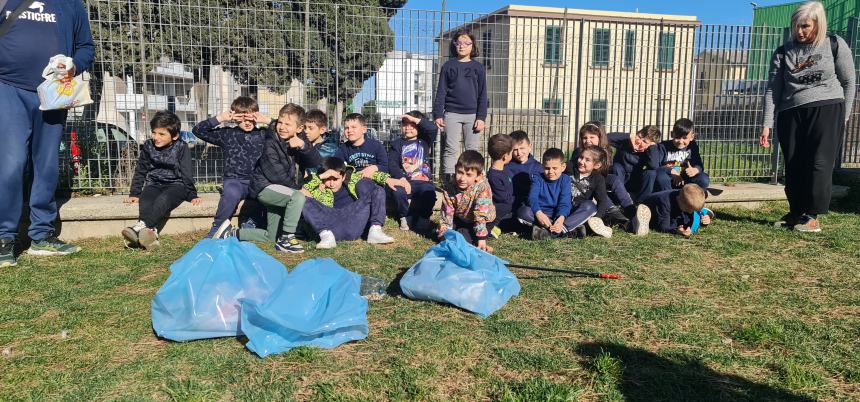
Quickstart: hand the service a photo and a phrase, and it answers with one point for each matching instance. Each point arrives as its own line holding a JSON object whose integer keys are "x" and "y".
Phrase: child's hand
{"x": 691, "y": 171}
{"x": 479, "y": 126}
{"x": 327, "y": 174}
{"x": 402, "y": 182}
{"x": 226, "y": 115}
{"x": 131, "y": 200}
{"x": 368, "y": 171}
{"x": 413, "y": 119}
{"x": 260, "y": 118}
{"x": 296, "y": 142}
{"x": 684, "y": 231}
{"x": 482, "y": 244}
{"x": 558, "y": 226}
{"x": 542, "y": 219}
{"x": 705, "y": 220}
{"x": 440, "y": 122}
{"x": 197, "y": 201}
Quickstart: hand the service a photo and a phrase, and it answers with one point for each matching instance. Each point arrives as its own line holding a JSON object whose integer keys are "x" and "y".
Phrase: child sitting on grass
{"x": 587, "y": 186}
{"x": 316, "y": 124}
{"x": 673, "y": 209}
{"x": 342, "y": 205}
{"x": 636, "y": 154}
{"x": 500, "y": 148}
{"x": 681, "y": 161}
{"x": 467, "y": 204}
{"x": 548, "y": 210}
{"x": 275, "y": 182}
{"x": 162, "y": 180}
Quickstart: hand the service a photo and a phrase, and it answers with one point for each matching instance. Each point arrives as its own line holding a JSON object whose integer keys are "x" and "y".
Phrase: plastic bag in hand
{"x": 458, "y": 273}
{"x": 318, "y": 304}
{"x": 59, "y": 91}
{"x": 201, "y": 298}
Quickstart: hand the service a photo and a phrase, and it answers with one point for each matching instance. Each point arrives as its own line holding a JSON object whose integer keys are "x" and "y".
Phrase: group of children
{"x": 310, "y": 185}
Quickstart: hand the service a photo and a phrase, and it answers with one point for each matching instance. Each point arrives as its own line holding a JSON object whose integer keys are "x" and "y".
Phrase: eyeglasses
{"x": 464, "y": 44}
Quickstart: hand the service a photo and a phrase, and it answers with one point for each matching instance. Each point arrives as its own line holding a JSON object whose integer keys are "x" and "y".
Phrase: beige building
{"x": 626, "y": 69}
{"x": 721, "y": 79}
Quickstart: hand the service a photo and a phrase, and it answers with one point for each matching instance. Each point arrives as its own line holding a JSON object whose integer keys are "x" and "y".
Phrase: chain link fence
{"x": 549, "y": 70}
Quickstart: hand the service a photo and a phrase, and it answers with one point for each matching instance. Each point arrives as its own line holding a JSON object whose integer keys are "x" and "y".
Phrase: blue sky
{"x": 736, "y": 12}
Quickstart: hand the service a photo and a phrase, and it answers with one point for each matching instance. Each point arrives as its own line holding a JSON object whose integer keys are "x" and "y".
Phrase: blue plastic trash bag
{"x": 458, "y": 273}
{"x": 200, "y": 299}
{"x": 318, "y": 304}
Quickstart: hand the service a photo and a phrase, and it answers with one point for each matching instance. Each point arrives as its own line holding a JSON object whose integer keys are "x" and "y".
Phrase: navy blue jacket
{"x": 371, "y": 152}
{"x": 666, "y": 215}
{"x": 277, "y": 165}
{"x": 427, "y": 132}
{"x": 503, "y": 191}
{"x": 669, "y": 153}
{"x": 329, "y": 146}
{"x": 627, "y": 160}
{"x": 168, "y": 165}
{"x": 462, "y": 89}
{"x": 520, "y": 174}
{"x": 28, "y": 45}
{"x": 241, "y": 149}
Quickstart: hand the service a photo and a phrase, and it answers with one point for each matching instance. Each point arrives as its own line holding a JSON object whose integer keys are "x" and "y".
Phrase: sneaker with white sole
{"x": 596, "y": 225}
{"x": 807, "y": 224}
{"x": 131, "y": 233}
{"x": 375, "y": 235}
{"x": 224, "y": 230}
{"x": 148, "y": 239}
{"x": 404, "y": 224}
{"x": 640, "y": 222}
{"x": 7, "y": 253}
{"x": 287, "y": 243}
{"x": 51, "y": 246}
{"x": 326, "y": 240}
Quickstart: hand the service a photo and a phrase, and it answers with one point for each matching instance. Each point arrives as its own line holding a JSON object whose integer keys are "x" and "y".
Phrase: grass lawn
{"x": 741, "y": 312}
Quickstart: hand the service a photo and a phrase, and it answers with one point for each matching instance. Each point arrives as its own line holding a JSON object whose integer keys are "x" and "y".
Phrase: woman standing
{"x": 810, "y": 92}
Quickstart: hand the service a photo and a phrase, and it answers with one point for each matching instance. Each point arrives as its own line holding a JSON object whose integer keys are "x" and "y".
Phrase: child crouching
{"x": 467, "y": 204}
{"x": 342, "y": 205}
{"x": 162, "y": 180}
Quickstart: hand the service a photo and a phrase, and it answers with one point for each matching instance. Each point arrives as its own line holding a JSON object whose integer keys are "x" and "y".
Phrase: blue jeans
{"x": 578, "y": 215}
{"x": 28, "y": 134}
{"x": 423, "y": 198}
{"x": 349, "y": 222}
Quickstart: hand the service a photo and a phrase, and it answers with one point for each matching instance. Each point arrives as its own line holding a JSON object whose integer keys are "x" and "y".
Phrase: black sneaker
{"x": 787, "y": 221}
{"x": 287, "y": 243}
{"x": 7, "y": 253}
{"x": 539, "y": 233}
{"x": 615, "y": 216}
{"x": 51, "y": 246}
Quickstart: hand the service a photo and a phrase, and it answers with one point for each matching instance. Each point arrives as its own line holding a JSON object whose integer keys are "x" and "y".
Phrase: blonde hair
{"x": 814, "y": 11}
{"x": 692, "y": 195}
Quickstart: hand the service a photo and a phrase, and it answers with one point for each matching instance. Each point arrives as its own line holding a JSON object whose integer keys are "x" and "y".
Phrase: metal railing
{"x": 548, "y": 72}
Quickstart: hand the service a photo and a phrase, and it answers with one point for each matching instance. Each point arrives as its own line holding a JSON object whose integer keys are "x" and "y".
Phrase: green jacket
{"x": 326, "y": 197}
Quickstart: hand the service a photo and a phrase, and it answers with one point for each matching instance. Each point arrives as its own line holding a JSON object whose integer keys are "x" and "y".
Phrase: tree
{"x": 260, "y": 42}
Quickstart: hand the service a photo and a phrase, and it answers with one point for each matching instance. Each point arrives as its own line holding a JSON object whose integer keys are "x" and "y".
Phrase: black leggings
{"x": 809, "y": 138}
{"x": 157, "y": 200}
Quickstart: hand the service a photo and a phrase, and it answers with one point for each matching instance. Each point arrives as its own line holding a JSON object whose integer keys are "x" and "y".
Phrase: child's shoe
{"x": 539, "y": 233}
{"x": 326, "y": 240}
{"x": 596, "y": 225}
{"x": 375, "y": 235}
{"x": 640, "y": 222}
{"x": 404, "y": 224}
{"x": 51, "y": 246}
{"x": 224, "y": 230}
{"x": 287, "y": 243}
{"x": 615, "y": 216}
{"x": 212, "y": 231}
{"x": 148, "y": 239}
{"x": 131, "y": 233}
{"x": 7, "y": 253}
{"x": 807, "y": 224}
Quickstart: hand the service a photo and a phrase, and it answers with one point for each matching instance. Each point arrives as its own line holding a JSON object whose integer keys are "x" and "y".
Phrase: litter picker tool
{"x": 568, "y": 271}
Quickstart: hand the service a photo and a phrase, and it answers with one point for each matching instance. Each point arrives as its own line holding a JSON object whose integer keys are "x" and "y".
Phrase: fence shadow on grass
{"x": 645, "y": 376}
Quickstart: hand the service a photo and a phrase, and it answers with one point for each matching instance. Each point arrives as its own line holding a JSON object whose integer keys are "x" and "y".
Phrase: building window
{"x": 598, "y": 110}
{"x": 666, "y": 51}
{"x": 629, "y": 49}
{"x": 600, "y": 48}
{"x": 552, "y": 105}
{"x": 552, "y": 48}
{"x": 487, "y": 48}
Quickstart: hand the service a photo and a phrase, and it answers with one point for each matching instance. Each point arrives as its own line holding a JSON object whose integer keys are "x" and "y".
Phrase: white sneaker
{"x": 376, "y": 236}
{"x": 596, "y": 225}
{"x": 404, "y": 224}
{"x": 326, "y": 240}
{"x": 640, "y": 222}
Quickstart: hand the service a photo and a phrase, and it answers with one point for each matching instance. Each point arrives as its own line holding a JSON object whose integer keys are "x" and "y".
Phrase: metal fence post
{"x": 851, "y": 124}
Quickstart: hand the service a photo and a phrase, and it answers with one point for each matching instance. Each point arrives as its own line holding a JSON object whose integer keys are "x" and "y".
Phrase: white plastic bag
{"x": 60, "y": 92}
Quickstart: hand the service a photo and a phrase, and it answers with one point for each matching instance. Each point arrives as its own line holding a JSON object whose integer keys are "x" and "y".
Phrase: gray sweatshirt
{"x": 808, "y": 74}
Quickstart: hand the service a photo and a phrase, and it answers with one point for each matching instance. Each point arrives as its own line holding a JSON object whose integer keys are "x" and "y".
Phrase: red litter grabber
{"x": 567, "y": 271}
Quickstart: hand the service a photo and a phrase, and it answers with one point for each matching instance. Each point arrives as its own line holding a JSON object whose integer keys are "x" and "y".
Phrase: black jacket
{"x": 277, "y": 165}
{"x": 241, "y": 149}
{"x": 171, "y": 164}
